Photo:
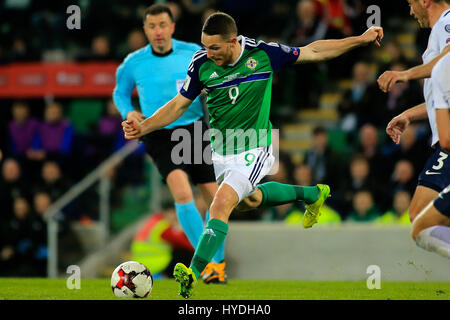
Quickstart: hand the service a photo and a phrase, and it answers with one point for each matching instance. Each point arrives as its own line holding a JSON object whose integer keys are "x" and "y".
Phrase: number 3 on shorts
{"x": 440, "y": 161}
{"x": 249, "y": 158}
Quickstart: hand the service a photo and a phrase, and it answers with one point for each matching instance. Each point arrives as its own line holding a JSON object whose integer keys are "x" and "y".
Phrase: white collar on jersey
{"x": 241, "y": 39}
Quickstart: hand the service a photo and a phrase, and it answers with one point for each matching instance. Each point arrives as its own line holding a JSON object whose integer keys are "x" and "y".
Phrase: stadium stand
{"x": 335, "y": 93}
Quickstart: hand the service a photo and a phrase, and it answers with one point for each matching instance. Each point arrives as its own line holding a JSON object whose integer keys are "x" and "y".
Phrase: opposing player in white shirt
{"x": 431, "y": 228}
{"x": 436, "y": 174}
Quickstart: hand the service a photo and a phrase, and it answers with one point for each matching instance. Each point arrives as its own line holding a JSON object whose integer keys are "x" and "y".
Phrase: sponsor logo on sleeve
{"x": 285, "y": 48}
{"x": 186, "y": 83}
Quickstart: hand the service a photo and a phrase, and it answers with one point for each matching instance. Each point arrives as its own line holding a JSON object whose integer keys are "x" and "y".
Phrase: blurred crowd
{"x": 33, "y": 30}
{"x": 46, "y": 146}
{"x": 43, "y": 155}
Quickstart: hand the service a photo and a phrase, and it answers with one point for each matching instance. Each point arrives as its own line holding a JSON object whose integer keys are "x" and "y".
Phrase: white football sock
{"x": 435, "y": 239}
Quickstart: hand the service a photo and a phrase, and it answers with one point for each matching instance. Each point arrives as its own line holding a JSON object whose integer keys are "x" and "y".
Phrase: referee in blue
{"x": 158, "y": 71}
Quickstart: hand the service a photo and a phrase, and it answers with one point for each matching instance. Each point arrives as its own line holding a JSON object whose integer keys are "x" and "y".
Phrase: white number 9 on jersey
{"x": 233, "y": 93}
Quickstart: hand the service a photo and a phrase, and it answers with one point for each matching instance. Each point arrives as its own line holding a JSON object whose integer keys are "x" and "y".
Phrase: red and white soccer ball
{"x": 131, "y": 279}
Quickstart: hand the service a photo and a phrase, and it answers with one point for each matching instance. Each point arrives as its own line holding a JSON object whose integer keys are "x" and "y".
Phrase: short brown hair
{"x": 220, "y": 23}
{"x": 156, "y": 9}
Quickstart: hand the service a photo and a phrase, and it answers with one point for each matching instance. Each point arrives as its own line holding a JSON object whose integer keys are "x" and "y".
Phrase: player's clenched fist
{"x": 131, "y": 129}
{"x": 373, "y": 35}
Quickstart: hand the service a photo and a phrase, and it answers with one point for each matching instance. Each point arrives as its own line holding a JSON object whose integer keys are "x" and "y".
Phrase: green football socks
{"x": 275, "y": 193}
{"x": 210, "y": 241}
{"x": 215, "y": 232}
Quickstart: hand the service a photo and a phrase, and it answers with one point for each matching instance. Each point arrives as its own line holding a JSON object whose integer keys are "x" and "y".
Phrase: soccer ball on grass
{"x": 131, "y": 279}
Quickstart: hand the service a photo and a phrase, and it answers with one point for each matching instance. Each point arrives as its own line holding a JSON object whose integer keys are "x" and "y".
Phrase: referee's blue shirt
{"x": 158, "y": 79}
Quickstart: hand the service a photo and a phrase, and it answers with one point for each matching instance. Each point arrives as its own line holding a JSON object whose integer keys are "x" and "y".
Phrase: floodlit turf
{"x": 99, "y": 289}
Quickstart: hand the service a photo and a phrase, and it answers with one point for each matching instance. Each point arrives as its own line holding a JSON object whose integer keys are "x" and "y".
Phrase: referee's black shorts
{"x": 159, "y": 146}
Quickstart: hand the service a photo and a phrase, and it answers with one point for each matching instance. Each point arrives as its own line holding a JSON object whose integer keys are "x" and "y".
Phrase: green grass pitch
{"x": 99, "y": 289}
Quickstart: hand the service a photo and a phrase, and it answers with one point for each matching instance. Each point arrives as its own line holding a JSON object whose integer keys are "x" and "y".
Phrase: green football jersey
{"x": 239, "y": 95}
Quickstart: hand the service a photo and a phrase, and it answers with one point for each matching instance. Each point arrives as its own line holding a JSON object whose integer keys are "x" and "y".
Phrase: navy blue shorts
{"x": 436, "y": 173}
{"x": 442, "y": 202}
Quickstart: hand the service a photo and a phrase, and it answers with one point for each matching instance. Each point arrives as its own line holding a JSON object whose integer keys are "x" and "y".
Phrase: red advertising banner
{"x": 33, "y": 80}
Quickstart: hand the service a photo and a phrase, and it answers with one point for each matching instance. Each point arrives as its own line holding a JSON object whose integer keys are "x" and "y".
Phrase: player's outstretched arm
{"x": 398, "y": 124}
{"x": 323, "y": 50}
{"x": 389, "y": 78}
{"x": 164, "y": 116}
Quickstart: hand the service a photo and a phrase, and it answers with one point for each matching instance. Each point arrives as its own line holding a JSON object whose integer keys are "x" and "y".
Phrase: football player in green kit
{"x": 235, "y": 73}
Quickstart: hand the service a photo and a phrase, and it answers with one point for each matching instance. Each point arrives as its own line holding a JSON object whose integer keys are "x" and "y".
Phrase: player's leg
{"x": 216, "y": 229}
{"x": 204, "y": 177}
{"x": 215, "y": 271}
{"x": 235, "y": 185}
{"x": 212, "y": 238}
{"x": 179, "y": 186}
{"x": 431, "y": 228}
{"x": 188, "y": 215}
{"x": 208, "y": 191}
{"x": 421, "y": 198}
{"x": 274, "y": 194}
{"x": 252, "y": 202}
{"x": 159, "y": 146}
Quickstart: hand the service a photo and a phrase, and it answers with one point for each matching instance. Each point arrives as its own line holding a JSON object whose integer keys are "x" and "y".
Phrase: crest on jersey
{"x": 251, "y": 63}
